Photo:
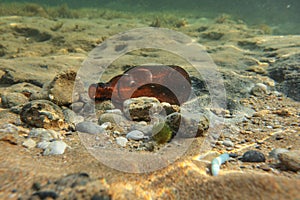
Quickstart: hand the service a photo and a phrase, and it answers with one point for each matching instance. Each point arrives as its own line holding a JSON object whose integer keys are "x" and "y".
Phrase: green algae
{"x": 162, "y": 133}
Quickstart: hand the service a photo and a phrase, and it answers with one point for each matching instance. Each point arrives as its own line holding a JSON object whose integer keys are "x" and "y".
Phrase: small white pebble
{"x": 121, "y": 141}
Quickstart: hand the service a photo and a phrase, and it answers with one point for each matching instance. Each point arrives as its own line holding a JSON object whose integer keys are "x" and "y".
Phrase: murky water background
{"x": 281, "y": 14}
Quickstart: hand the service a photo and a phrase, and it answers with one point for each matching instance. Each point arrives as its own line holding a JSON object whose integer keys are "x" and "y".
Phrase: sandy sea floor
{"x": 34, "y": 49}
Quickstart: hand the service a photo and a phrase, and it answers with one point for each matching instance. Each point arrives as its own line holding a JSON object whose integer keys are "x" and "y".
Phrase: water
{"x": 281, "y": 14}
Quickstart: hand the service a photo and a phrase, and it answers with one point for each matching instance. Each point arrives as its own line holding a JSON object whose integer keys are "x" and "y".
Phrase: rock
{"x": 13, "y": 99}
{"x": 24, "y": 88}
{"x": 290, "y": 159}
{"x": 71, "y": 118}
{"x": 55, "y": 148}
{"x": 44, "y": 134}
{"x": 228, "y": 143}
{"x": 29, "y": 143}
{"x": 89, "y": 127}
{"x": 265, "y": 167}
{"x": 135, "y": 135}
{"x": 43, "y": 144}
{"x": 61, "y": 88}
{"x": 43, "y": 114}
{"x": 145, "y": 128}
{"x": 253, "y": 156}
{"x": 169, "y": 109}
{"x": 106, "y": 125}
{"x": 46, "y": 194}
{"x": 11, "y": 139}
{"x": 77, "y": 106}
{"x": 286, "y": 72}
{"x": 42, "y": 94}
{"x": 9, "y": 128}
{"x": 188, "y": 125}
{"x": 104, "y": 105}
{"x": 141, "y": 109}
{"x": 212, "y": 35}
{"x": 115, "y": 111}
{"x": 259, "y": 89}
{"x": 111, "y": 117}
{"x": 274, "y": 153}
{"x": 121, "y": 141}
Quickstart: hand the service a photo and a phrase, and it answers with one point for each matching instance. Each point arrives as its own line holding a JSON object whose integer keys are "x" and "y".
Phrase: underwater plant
{"x": 161, "y": 133}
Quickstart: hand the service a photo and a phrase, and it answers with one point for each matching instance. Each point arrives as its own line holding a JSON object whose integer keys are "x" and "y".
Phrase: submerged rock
{"x": 259, "y": 89}
{"x": 121, "y": 141}
{"x": 275, "y": 152}
{"x": 187, "y": 126}
{"x": 55, "y": 148}
{"x": 290, "y": 159}
{"x": 13, "y": 99}
{"x": 135, "y": 135}
{"x": 89, "y": 127}
{"x": 111, "y": 117}
{"x": 43, "y": 114}
{"x": 61, "y": 88}
{"x": 44, "y": 134}
{"x": 29, "y": 143}
{"x": 253, "y": 156}
{"x": 140, "y": 109}
{"x": 286, "y": 72}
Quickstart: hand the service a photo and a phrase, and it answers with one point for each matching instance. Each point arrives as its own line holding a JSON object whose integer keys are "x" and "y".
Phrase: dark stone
{"x": 253, "y": 156}
{"x": 73, "y": 180}
{"x": 89, "y": 127}
{"x": 101, "y": 197}
{"x": 36, "y": 186}
{"x": 46, "y": 194}
{"x": 233, "y": 155}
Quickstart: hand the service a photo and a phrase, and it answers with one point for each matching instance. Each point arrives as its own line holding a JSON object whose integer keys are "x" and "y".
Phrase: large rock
{"x": 43, "y": 114}
{"x": 286, "y": 72}
{"x": 61, "y": 88}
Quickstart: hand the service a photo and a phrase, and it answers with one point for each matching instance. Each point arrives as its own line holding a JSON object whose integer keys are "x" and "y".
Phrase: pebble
{"x": 259, "y": 89}
{"x": 265, "y": 167}
{"x": 274, "y": 153}
{"x": 110, "y": 117}
{"x": 70, "y": 115}
{"x": 29, "y": 143}
{"x": 146, "y": 129}
{"x": 106, "y": 125}
{"x": 77, "y": 106}
{"x": 44, "y": 134}
{"x": 253, "y": 156}
{"x": 55, "y": 148}
{"x": 121, "y": 141}
{"x": 290, "y": 159}
{"x": 89, "y": 127}
{"x": 228, "y": 143}
{"x": 135, "y": 135}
